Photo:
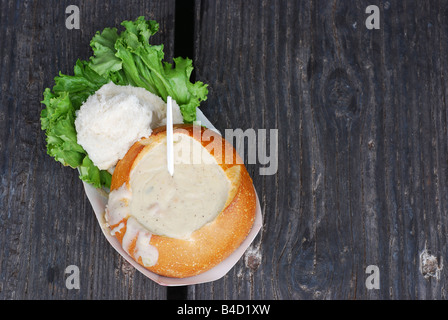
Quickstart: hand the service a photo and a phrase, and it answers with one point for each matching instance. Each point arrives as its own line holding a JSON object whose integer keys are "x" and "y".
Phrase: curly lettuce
{"x": 125, "y": 58}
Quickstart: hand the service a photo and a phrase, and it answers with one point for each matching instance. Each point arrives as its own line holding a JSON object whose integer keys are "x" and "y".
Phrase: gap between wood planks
{"x": 183, "y": 47}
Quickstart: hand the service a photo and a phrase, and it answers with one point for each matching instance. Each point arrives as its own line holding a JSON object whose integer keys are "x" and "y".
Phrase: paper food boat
{"x": 98, "y": 200}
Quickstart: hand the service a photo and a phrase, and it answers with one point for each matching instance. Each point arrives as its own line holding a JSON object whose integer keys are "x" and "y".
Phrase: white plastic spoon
{"x": 169, "y": 136}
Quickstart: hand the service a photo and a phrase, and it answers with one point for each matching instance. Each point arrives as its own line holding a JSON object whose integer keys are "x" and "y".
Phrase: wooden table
{"x": 361, "y": 116}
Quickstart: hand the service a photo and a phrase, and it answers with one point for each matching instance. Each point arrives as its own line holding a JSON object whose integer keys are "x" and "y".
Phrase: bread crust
{"x": 215, "y": 241}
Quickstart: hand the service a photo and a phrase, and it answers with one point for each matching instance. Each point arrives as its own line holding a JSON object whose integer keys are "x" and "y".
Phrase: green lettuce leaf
{"x": 125, "y": 58}
{"x": 128, "y": 58}
{"x": 58, "y": 121}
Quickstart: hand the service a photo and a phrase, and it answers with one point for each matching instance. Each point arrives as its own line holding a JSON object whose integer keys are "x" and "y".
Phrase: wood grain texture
{"x": 362, "y": 123}
{"x": 362, "y": 120}
{"x": 46, "y": 221}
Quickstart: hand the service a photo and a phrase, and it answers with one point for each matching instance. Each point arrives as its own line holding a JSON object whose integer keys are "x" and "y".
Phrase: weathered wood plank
{"x": 362, "y": 126}
{"x": 362, "y": 123}
{"x": 46, "y": 222}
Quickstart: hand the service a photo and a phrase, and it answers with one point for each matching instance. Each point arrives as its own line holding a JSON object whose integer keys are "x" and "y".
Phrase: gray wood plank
{"x": 362, "y": 123}
{"x": 46, "y": 222}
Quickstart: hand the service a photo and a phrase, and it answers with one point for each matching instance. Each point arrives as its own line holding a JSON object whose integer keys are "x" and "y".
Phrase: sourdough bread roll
{"x": 181, "y": 225}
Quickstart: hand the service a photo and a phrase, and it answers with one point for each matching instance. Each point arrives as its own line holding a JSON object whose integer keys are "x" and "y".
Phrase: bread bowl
{"x": 192, "y": 246}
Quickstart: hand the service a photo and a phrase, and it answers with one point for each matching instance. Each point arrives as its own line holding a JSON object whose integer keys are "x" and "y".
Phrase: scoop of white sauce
{"x": 112, "y": 119}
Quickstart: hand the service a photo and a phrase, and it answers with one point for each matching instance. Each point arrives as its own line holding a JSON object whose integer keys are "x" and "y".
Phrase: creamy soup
{"x": 175, "y": 206}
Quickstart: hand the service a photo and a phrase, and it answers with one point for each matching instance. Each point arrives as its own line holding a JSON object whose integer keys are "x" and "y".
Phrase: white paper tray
{"x": 98, "y": 200}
